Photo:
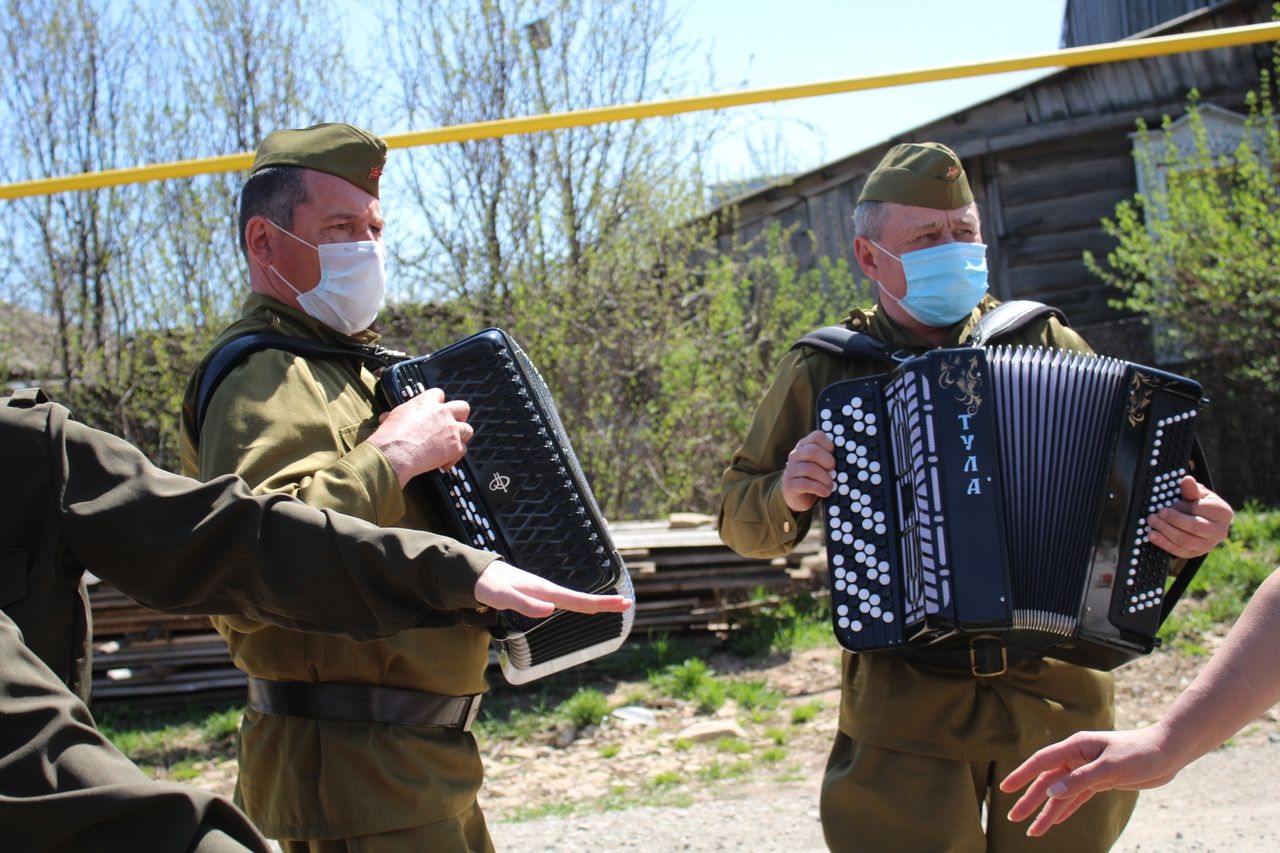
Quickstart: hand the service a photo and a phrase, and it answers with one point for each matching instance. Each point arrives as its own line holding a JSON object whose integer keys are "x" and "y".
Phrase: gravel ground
{"x": 1228, "y": 801}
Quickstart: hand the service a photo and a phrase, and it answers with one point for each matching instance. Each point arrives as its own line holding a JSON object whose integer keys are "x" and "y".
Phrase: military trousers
{"x": 880, "y": 801}
{"x": 464, "y": 833}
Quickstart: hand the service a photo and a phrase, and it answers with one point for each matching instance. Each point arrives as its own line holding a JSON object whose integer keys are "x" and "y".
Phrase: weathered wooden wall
{"x": 1097, "y": 21}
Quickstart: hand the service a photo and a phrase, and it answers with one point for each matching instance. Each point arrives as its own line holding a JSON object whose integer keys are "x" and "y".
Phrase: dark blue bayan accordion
{"x": 1004, "y": 493}
{"x": 520, "y": 492}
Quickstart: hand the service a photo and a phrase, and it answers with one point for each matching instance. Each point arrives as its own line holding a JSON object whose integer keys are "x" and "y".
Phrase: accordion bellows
{"x": 1005, "y": 491}
{"x": 520, "y": 492}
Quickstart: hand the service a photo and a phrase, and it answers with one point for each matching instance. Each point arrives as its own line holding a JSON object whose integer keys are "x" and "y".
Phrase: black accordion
{"x": 520, "y": 492}
{"x": 1005, "y": 492}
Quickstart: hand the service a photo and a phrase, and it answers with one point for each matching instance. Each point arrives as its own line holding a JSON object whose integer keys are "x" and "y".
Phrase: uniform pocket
{"x": 13, "y": 575}
{"x": 356, "y": 433}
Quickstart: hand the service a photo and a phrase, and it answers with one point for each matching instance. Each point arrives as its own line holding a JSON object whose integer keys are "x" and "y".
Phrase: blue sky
{"x": 800, "y": 41}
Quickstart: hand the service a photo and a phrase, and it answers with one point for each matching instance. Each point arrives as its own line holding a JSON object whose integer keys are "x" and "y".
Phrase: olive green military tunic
{"x": 886, "y": 702}
{"x": 86, "y": 500}
{"x": 298, "y": 426}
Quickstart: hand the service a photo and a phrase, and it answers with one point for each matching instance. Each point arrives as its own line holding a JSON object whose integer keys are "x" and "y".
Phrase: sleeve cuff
{"x": 381, "y": 484}
{"x": 786, "y": 527}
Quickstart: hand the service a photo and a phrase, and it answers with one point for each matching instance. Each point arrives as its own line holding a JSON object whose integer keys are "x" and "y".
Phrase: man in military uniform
{"x": 922, "y": 741}
{"x": 394, "y": 765}
{"x": 91, "y": 501}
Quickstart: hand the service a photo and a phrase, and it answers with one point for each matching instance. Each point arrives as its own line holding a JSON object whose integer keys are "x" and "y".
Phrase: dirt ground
{"x": 743, "y": 780}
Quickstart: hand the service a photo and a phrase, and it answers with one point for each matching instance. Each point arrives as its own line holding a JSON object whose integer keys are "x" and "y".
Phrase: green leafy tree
{"x": 1199, "y": 253}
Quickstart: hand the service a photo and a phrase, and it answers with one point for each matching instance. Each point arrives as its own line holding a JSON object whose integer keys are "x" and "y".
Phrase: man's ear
{"x": 866, "y": 258}
{"x": 260, "y": 240}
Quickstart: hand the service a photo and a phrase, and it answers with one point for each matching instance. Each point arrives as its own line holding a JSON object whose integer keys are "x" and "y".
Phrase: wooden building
{"x": 1046, "y": 161}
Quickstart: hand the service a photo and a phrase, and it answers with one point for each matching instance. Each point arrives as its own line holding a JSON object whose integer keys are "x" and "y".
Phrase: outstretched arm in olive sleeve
{"x": 178, "y": 545}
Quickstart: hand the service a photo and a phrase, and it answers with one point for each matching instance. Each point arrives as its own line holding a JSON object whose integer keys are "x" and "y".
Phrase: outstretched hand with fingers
{"x": 504, "y": 587}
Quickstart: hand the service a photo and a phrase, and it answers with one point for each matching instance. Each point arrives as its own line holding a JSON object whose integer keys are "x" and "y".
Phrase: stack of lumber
{"x": 686, "y": 580}
{"x": 142, "y": 655}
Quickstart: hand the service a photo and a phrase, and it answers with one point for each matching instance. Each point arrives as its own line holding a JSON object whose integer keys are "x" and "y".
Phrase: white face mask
{"x": 352, "y": 286}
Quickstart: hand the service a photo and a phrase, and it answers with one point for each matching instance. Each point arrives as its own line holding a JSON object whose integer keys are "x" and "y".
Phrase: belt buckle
{"x": 472, "y": 712}
{"x": 973, "y": 657}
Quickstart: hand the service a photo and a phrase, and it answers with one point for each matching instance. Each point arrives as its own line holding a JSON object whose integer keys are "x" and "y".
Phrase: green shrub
{"x": 584, "y": 708}
{"x": 792, "y": 624}
{"x": 754, "y": 694}
{"x": 692, "y": 680}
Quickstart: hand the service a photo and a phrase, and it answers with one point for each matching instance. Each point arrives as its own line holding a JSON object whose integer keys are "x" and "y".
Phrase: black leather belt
{"x": 362, "y": 702}
{"x": 983, "y": 656}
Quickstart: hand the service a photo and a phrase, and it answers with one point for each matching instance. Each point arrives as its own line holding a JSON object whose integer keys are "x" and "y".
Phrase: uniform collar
{"x": 292, "y": 321}
{"x": 879, "y": 324}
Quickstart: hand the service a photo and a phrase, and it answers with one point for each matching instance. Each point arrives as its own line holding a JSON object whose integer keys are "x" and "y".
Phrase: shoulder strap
{"x": 24, "y": 398}
{"x": 230, "y": 354}
{"x": 998, "y": 322}
{"x": 1009, "y": 317}
{"x": 845, "y": 343}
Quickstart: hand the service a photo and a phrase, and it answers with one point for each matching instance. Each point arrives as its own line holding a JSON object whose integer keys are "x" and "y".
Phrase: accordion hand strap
{"x": 1200, "y": 469}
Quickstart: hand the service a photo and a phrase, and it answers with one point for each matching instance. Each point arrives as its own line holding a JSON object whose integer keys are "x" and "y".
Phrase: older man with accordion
{"x": 954, "y": 683}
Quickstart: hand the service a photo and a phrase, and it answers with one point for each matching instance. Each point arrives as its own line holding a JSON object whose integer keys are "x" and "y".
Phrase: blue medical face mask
{"x": 944, "y": 282}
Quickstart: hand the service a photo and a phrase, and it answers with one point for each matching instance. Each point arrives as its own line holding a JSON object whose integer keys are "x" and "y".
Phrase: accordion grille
{"x": 1055, "y": 412}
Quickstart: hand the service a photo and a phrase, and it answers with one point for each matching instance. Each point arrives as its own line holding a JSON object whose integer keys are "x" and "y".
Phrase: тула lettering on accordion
{"x": 519, "y": 491}
{"x": 1004, "y": 492}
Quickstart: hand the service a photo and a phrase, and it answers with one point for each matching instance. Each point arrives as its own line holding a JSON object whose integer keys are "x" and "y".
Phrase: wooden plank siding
{"x": 1098, "y": 21}
{"x": 1047, "y": 162}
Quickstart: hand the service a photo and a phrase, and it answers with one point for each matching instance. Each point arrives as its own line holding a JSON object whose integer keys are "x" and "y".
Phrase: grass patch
{"x": 788, "y": 625}
{"x": 1230, "y": 575}
{"x": 716, "y": 772}
{"x": 733, "y": 745}
{"x": 665, "y": 779}
{"x": 610, "y": 750}
{"x": 754, "y": 695}
{"x": 773, "y": 754}
{"x": 692, "y": 680}
{"x": 806, "y": 713}
{"x": 172, "y": 738}
{"x": 777, "y": 735}
{"x": 585, "y": 708}
{"x": 184, "y": 771}
{"x": 525, "y": 813}
{"x": 514, "y": 723}
{"x": 682, "y": 744}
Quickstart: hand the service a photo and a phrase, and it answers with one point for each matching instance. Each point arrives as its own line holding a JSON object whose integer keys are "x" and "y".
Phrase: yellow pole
{"x": 1072, "y": 57}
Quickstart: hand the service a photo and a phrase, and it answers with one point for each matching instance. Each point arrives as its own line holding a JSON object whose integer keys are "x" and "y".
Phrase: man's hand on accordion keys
{"x": 808, "y": 475}
{"x": 423, "y": 434}
{"x": 504, "y": 587}
{"x": 1193, "y": 525}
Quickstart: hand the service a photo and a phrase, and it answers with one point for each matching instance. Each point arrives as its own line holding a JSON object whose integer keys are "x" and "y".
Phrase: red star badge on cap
{"x": 375, "y": 173}
{"x": 953, "y": 172}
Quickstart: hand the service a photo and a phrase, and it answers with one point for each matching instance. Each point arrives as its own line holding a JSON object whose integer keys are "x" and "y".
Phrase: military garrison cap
{"x": 924, "y": 174}
{"x": 352, "y": 154}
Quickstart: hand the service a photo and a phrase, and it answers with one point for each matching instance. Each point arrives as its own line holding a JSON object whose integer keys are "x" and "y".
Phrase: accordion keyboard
{"x": 1145, "y": 569}
{"x": 865, "y": 603}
